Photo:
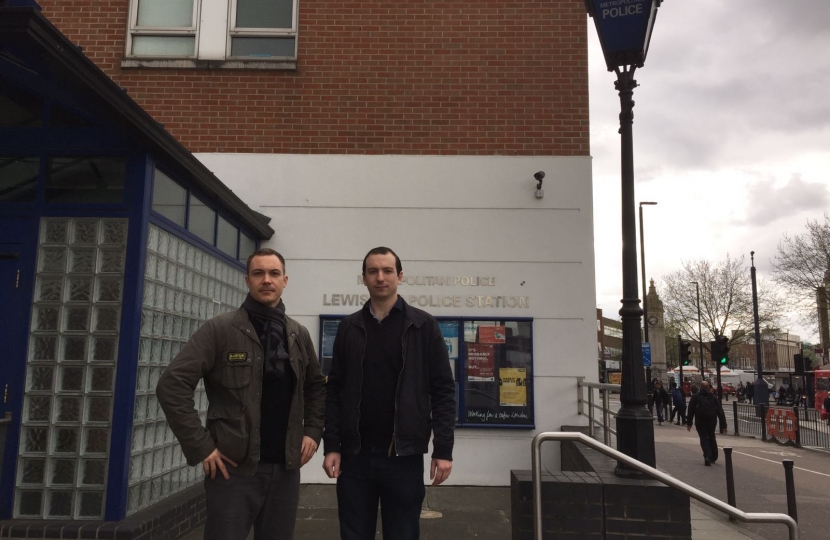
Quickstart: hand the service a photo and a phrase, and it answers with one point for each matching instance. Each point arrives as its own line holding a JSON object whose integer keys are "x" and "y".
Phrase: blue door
{"x": 16, "y": 241}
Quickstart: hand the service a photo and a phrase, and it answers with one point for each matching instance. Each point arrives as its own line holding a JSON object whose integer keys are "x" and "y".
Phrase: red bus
{"x": 822, "y": 387}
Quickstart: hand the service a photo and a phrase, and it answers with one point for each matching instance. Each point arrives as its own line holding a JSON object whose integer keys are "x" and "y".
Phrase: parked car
{"x": 729, "y": 389}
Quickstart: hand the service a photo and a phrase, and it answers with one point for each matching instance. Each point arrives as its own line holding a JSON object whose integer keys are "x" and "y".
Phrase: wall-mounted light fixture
{"x": 539, "y": 176}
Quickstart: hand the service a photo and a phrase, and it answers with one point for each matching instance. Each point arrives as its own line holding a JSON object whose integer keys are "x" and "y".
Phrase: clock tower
{"x": 656, "y": 334}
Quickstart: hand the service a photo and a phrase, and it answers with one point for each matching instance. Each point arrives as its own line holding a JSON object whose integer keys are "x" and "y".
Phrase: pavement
{"x": 464, "y": 512}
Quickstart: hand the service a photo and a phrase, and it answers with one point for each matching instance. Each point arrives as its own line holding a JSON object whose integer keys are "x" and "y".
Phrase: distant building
{"x": 609, "y": 343}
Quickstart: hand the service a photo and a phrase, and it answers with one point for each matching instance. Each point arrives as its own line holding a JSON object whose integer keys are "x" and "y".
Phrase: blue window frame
{"x": 192, "y": 216}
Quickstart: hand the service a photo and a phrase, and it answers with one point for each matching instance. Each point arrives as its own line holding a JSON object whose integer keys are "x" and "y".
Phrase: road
{"x": 759, "y": 476}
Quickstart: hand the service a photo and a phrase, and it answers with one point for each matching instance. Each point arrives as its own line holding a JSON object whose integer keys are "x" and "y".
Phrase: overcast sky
{"x": 731, "y": 136}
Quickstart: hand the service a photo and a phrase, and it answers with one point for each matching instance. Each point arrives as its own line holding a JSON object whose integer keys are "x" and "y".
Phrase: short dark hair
{"x": 383, "y": 251}
{"x": 264, "y": 252}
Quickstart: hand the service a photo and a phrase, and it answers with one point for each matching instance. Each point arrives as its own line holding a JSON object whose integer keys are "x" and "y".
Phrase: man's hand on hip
{"x": 439, "y": 470}
{"x": 331, "y": 464}
{"x": 308, "y": 449}
{"x": 214, "y": 462}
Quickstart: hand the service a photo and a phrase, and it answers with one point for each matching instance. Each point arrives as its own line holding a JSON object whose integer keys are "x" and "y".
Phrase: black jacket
{"x": 698, "y": 421}
{"x": 424, "y": 400}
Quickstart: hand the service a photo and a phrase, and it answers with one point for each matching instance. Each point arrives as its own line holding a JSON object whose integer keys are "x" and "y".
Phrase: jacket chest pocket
{"x": 237, "y": 374}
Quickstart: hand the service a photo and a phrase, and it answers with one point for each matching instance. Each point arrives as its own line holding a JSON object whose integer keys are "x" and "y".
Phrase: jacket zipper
{"x": 392, "y": 447}
{"x": 360, "y": 389}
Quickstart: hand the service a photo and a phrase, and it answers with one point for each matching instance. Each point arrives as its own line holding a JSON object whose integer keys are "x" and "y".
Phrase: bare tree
{"x": 801, "y": 268}
{"x": 725, "y": 300}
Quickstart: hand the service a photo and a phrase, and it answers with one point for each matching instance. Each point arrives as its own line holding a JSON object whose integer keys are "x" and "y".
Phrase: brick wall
{"x": 479, "y": 77}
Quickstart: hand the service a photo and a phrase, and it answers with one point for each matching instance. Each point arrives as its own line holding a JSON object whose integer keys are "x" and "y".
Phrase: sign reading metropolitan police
{"x": 624, "y": 28}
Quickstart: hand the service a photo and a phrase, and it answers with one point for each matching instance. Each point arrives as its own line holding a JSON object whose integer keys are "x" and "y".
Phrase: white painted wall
{"x": 444, "y": 216}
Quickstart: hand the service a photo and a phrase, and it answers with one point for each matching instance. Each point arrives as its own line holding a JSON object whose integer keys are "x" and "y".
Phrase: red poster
{"x": 481, "y": 364}
{"x": 491, "y": 334}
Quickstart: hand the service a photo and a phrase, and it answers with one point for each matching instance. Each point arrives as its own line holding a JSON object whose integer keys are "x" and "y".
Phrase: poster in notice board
{"x": 498, "y": 368}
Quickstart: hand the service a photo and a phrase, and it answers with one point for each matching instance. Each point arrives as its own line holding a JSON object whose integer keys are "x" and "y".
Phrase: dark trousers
{"x": 397, "y": 482}
{"x": 681, "y": 414}
{"x": 266, "y": 501}
{"x": 708, "y": 442}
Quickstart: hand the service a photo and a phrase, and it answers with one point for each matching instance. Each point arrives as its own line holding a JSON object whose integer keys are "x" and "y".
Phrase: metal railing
{"x": 811, "y": 429}
{"x": 604, "y": 391}
{"x": 705, "y": 498}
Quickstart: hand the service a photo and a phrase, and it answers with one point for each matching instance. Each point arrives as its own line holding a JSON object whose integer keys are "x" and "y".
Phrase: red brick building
{"x": 420, "y": 125}
{"x": 369, "y": 77}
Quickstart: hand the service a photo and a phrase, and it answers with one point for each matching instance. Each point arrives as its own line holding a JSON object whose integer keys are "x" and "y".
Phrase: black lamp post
{"x": 645, "y": 294}
{"x": 699, "y": 330}
{"x": 624, "y": 33}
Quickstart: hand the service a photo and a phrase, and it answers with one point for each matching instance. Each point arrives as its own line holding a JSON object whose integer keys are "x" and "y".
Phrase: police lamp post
{"x": 624, "y": 32}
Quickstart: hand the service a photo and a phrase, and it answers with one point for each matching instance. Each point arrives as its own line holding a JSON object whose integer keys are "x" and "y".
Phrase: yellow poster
{"x": 513, "y": 387}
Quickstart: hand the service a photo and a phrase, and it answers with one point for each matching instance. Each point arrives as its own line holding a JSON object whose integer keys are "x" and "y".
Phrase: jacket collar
{"x": 411, "y": 315}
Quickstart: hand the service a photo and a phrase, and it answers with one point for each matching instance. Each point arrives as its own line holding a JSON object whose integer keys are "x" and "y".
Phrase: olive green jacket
{"x": 226, "y": 353}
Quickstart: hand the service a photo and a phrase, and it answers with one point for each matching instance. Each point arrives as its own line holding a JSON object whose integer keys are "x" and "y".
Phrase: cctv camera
{"x": 539, "y": 176}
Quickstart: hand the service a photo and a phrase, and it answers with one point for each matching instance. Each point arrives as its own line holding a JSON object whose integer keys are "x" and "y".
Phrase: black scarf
{"x": 269, "y": 323}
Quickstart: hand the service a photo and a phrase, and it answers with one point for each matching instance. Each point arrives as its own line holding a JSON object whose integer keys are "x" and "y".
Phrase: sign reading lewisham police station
{"x": 489, "y": 300}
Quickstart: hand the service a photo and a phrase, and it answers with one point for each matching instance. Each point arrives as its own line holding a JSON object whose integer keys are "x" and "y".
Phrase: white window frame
{"x": 261, "y": 32}
{"x": 166, "y": 31}
{"x": 213, "y": 29}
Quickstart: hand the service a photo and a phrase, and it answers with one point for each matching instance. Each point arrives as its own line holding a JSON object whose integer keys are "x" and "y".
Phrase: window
{"x": 18, "y": 178}
{"x": 247, "y": 245}
{"x": 202, "y": 220}
{"x": 226, "y": 237}
{"x": 211, "y": 30}
{"x": 169, "y": 198}
{"x": 86, "y": 179}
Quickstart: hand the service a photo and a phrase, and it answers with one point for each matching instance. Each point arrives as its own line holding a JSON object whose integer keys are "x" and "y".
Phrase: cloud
{"x": 767, "y": 203}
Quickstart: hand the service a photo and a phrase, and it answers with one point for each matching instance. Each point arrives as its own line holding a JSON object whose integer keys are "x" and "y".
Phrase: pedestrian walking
{"x": 705, "y": 411}
{"x": 389, "y": 387}
{"x": 661, "y": 401}
{"x": 827, "y": 408}
{"x": 266, "y": 397}
{"x": 679, "y": 403}
{"x": 750, "y": 392}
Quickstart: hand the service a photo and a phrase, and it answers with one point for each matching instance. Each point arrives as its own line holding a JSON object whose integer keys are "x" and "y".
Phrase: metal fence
{"x": 808, "y": 428}
{"x": 813, "y": 431}
{"x": 604, "y": 410}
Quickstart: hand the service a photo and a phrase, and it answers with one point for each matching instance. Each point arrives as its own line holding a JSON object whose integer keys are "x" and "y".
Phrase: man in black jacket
{"x": 390, "y": 385}
{"x": 705, "y": 411}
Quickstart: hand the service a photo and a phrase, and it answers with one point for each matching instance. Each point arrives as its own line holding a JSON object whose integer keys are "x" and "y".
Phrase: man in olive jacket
{"x": 266, "y": 398}
{"x": 390, "y": 387}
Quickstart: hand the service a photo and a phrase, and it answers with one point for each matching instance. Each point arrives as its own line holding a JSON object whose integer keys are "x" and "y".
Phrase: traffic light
{"x": 685, "y": 353}
{"x": 720, "y": 351}
{"x": 798, "y": 360}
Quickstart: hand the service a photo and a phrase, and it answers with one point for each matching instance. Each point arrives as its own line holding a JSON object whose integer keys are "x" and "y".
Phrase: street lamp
{"x": 624, "y": 32}
{"x": 645, "y": 293}
{"x": 699, "y": 331}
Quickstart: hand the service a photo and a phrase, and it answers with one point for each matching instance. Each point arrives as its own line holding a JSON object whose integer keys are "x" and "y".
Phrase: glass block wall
{"x": 183, "y": 287}
{"x": 70, "y": 370}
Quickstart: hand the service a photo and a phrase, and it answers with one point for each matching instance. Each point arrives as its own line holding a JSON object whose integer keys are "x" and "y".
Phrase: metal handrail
{"x": 731, "y": 511}
{"x": 604, "y": 388}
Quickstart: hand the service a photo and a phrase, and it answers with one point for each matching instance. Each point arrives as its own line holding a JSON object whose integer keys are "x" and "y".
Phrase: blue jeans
{"x": 398, "y": 482}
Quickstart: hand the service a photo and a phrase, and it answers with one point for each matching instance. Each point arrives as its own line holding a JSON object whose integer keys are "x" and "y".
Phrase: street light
{"x": 624, "y": 32}
{"x": 645, "y": 293}
{"x": 699, "y": 331}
